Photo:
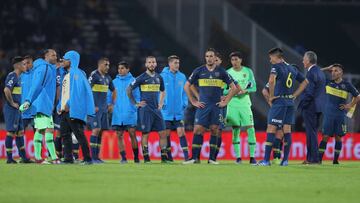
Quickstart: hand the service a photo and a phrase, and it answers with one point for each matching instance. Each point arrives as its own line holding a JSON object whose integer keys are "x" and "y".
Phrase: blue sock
{"x": 287, "y": 145}
{"x": 196, "y": 145}
{"x": 276, "y": 147}
{"x": 93, "y": 146}
{"x": 213, "y": 147}
{"x": 8, "y": 146}
{"x": 168, "y": 148}
{"x": 21, "y": 147}
{"x": 218, "y": 145}
{"x": 338, "y": 146}
{"x": 322, "y": 149}
{"x": 98, "y": 147}
{"x": 123, "y": 155}
{"x": 75, "y": 150}
{"x": 184, "y": 147}
{"x": 270, "y": 137}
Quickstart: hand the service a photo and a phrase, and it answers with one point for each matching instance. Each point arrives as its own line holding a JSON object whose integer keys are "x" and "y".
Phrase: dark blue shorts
{"x": 150, "y": 120}
{"x": 281, "y": 115}
{"x": 13, "y": 120}
{"x": 174, "y": 124}
{"x": 28, "y": 122}
{"x": 334, "y": 125}
{"x": 100, "y": 120}
{"x": 57, "y": 119}
{"x": 122, "y": 127}
{"x": 210, "y": 115}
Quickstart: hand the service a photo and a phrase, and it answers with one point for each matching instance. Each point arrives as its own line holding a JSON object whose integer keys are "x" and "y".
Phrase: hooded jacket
{"x": 43, "y": 87}
{"x": 125, "y": 113}
{"x": 25, "y": 88}
{"x": 81, "y": 102}
{"x": 175, "y": 98}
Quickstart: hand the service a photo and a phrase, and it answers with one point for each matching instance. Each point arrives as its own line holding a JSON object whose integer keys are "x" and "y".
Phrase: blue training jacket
{"x": 81, "y": 102}
{"x": 125, "y": 113}
{"x": 175, "y": 96}
{"x": 25, "y": 89}
{"x": 43, "y": 87}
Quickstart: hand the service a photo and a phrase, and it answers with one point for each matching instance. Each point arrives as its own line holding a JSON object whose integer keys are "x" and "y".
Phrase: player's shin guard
{"x": 276, "y": 147}
{"x": 145, "y": 150}
{"x": 164, "y": 151}
{"x": 75, "y": 150}
{"x": 196, "y": 146}
{"x": 168, "y": 148}
{"x": 213, "y": 147}
{"x": 252, "y": 141}
{"x": 218, "y": 145}
{"x": 93, "y": 146}
{"x": 37, "y": 145}
{"x": 287, "y": 145}
{"x": 136, "y": 153}
{"x": 337, "y": 151}
{"x": 123, "y": 155}
{"x": 9, "y": 145}
{"x": 184, "y": 147}
{"x": 268, "y": 145}
{"x": 21, "y": 146}
{"x": 49, "y": 138}
{"x": 58, "y": 146}
{"x": 236, "y": 142}
{"x": 322, "y": 149}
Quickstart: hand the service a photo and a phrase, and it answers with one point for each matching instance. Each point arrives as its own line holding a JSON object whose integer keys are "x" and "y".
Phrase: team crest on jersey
{"x": 157, "y": 80}
{"x": 343, "y": 86}
{"x": 107, "y": 80}
{"x": 217, "y": 74}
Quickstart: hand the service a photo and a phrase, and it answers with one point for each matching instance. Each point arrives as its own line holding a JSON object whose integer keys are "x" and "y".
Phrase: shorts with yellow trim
{"x": 43, "y": 122}
{"x": 239, "y": 116}
{"x": 334, "y": 125}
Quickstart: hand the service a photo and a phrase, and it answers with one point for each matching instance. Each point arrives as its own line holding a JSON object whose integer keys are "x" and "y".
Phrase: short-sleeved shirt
{"x": 285, "y": 80}
{"x": 150, "y": 87}
{"x": 210, "y": 83}
{"x": 337, "y": 94}
{"x": 13, "y": 82}
{"x": 100, "y": 85}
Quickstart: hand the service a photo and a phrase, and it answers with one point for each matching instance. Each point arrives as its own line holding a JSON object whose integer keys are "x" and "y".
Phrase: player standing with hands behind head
{"x": 150, "y": 118}
{"x": 281, "y": 99}
{"x": 210, "y": 79}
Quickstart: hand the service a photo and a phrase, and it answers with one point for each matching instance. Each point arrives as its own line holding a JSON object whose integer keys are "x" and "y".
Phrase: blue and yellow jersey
{"x": 210, "y": 83}
{"x": 150, "y": 87}
{"x": 285, "y": 81}
{"x": 13, "y": 82}
{"x": 337, "y": 94}
{"x": 100, "y": 84}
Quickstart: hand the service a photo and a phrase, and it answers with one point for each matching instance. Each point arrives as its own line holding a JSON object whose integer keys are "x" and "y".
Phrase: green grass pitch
{"x": 172, "y": 183}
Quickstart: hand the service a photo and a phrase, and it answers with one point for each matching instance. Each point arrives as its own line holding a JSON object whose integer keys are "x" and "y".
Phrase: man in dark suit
{"x": 312, "y": 100}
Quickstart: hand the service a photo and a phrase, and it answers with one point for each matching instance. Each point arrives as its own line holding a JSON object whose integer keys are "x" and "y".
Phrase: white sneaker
{"x": 213, "y": 162}
{"x": 191, "y": 161}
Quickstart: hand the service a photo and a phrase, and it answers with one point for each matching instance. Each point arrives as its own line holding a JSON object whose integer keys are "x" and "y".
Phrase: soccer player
{"x": 279, "y": 132}
{"x": 281, "y": 99}
{"x": 152, "y": 94}
{"x": 76, "y": 104}
{"x": 124, "y": 114}
{"x": 12, "y": 116}
{"x": 42, "y": 97}
{"x": 210, "y": 79}
{"x": 60, "y": 73}
{"x": 100, "y": 82}
{"x": 28, "y": 115}
{"x": 174, "y": 104}
{"x": 337, "y": 92}
{"x": 239, "y": 113}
